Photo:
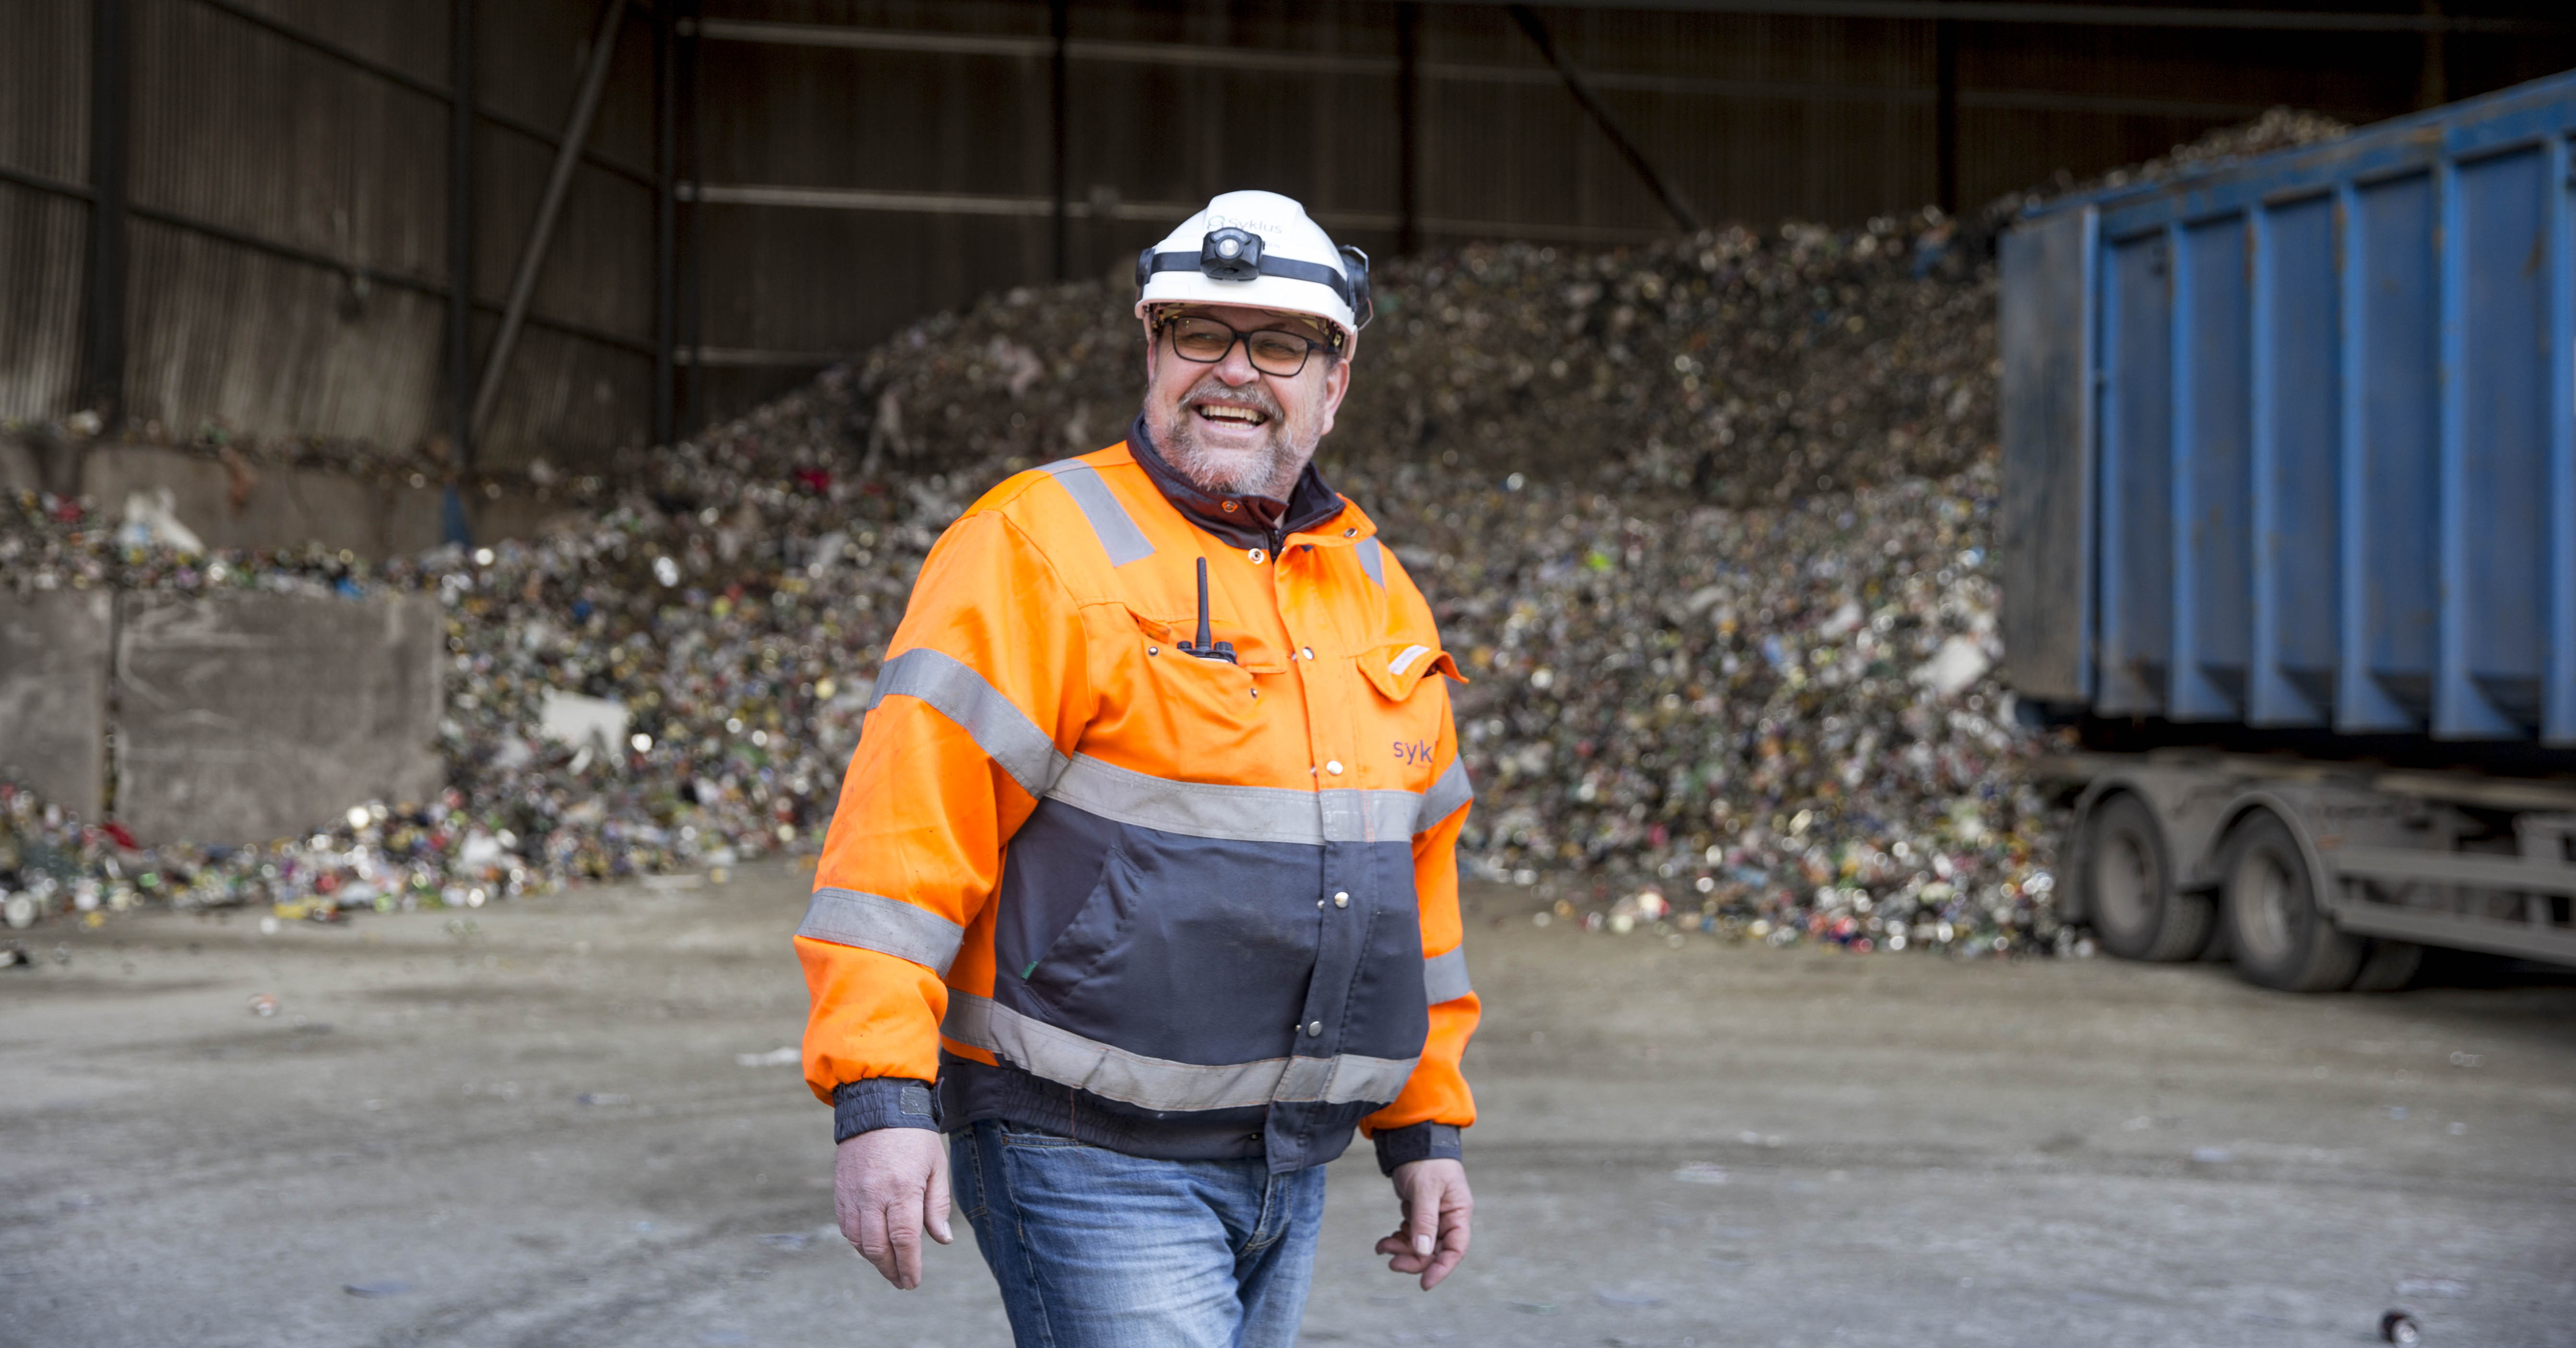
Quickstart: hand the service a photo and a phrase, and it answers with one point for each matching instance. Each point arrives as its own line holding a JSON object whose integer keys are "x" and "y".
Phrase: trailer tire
{"x": 2388, "y": 966}
{"x": 2277, "y": 934}
{"x": 2129, "y": 893}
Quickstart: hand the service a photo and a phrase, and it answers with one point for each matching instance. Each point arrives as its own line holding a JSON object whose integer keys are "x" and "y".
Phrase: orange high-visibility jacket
{"x": 1178, "y": 906}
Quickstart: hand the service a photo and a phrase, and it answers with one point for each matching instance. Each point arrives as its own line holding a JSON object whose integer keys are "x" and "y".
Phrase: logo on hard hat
{"x": 1216, "y": 221}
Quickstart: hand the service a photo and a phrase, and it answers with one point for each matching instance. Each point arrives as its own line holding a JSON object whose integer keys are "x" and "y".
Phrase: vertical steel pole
{"x": 693, "y": 284}
{"x": 2461, "y": 709}
{"x": 2361, "y": 704}
{"x": 111, "y": 70}
{"x": 2433, "y": 67}
{"x": 2089, "y": 399}
{"x": 2270, "y": 697}
{"x": 1060, "y": 28}
{"x": 1408, "y": 127}
{"x": 460, "y": 231}
{"x": 1945, "y": 115}
{"x": 2119, "y": 686}
{"x": 103, "y": 350}
{"x": 2558, "y": 689}
{"x": 2187, "y": 694}
{"x": 1590, "y": 101}
{"x": 532, "y": 254}
{"x": 666, "y": 222}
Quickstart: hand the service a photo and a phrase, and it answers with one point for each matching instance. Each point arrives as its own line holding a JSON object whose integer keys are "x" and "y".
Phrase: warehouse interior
{"x": 278, "y": 220}
{"x": 2003, "y": 575}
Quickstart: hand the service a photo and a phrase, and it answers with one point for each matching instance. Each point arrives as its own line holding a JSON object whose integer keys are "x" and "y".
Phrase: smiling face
{"x": 1230, "y": 428}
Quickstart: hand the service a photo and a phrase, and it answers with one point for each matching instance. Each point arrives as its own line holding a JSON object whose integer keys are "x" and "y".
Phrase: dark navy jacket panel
{"x": 1385, "y": 1010}
{"x": 1194, "y": 950}
{"x": 1050, "y": 868}
{"x": 1203, "y": 951}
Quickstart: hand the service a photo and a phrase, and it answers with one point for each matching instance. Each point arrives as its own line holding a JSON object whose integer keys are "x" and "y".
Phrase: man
{"x": 1147, "y": 856}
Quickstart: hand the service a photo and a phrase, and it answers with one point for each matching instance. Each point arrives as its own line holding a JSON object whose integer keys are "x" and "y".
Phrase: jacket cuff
{"x": 882, "y": 1102}
{"x": 1417, "y": 1142}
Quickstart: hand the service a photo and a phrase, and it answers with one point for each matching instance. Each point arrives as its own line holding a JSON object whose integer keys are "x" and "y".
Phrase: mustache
{"x": 1214, "y": 390}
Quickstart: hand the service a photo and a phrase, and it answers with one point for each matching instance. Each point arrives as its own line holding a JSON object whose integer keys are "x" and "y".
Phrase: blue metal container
{"x": 2291, "y": 442}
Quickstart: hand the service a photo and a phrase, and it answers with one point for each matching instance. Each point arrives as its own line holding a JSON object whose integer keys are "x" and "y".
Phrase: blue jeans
{"x": 1098, "y": 1249}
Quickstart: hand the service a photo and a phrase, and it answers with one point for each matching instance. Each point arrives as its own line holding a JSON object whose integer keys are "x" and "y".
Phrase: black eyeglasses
{"x": 1205, "y": 341}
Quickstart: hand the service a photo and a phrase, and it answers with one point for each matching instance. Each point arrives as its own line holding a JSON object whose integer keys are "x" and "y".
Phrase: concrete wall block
{"x": 53, "y": 695}
{"x": 283, "y": 507}
{"x": 40, "y": 459}
{"x": 247, "y": 717}
{"x": 416, "y": 520}
{"x": 18, "y": 467}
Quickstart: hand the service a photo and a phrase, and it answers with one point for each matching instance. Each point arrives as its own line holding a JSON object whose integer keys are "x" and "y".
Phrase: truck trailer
{"x": 2289, "y": 545}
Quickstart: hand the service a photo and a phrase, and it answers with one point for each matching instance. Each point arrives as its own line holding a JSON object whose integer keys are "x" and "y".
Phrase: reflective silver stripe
{"x": 1343, "y": 1078}
{"x": 1237, "y": 813}
{"x": 969, "y": 1019}
{"x": 888, "y": 926}
{"x": 1444, "y": 976}
{"x": 1062, "y": 1056}
{"x": 952, "y": 688}
{"x": 1445, "y": 796}
{"x": 1389, "y": 815}
{"x": 1119, "y": 536}
{"x": 1307, "y": 1079}
{"x": 1404, "y": 657}
{"x": 1373, "y": 561}
{"x": 1369, "y": 816}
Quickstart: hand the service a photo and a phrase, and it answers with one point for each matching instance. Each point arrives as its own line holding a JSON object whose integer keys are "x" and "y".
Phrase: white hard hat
{"x": 1258, "y": 249}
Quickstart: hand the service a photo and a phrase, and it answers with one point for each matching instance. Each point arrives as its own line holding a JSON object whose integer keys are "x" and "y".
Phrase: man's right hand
{"x": 890, "y": 1185}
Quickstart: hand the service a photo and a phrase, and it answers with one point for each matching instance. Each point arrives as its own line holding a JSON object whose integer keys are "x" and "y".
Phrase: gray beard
{"x": 1284, "y": 454}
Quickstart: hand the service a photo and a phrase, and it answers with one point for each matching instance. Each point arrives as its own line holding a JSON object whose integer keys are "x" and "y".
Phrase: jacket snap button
{"x": 1333, "y": 766}
{"x": 1350, "y": 533}
{"x": 1306, "y": 651}
{"x": 1258, "y": 556}
{"x": 1342, "y": 900}
{"x": 1229, "y": 507}
{"x": 1314, "y": 1029}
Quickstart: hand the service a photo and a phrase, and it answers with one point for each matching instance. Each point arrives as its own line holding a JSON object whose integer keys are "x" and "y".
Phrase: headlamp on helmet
{"x": 1258, "y": 250}
{"x": 1230, "y": 255}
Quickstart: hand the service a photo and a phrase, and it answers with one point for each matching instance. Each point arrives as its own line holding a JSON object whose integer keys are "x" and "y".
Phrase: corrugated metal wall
{"x": 44, "y": 131}
{"x": 868, "y": 161}
{"x": 288, "y": 227}
{"x": 237, "y": 128}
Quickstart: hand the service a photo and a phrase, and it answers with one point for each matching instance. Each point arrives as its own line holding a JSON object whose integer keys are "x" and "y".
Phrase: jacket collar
{"x": 1242, "y": 521}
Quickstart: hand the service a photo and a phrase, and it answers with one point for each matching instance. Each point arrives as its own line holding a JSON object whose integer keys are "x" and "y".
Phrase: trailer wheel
{"x": 2276, "y": 933}
{"x": 2389, "y": 966}
{"x": 2129, "y": 892}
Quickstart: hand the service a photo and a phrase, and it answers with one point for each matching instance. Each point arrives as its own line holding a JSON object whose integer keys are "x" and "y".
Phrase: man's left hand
{"x": 1433, "y": 1236}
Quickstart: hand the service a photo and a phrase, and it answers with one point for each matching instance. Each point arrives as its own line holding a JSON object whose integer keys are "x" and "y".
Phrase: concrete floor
{"x": 529, "y": 1125}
